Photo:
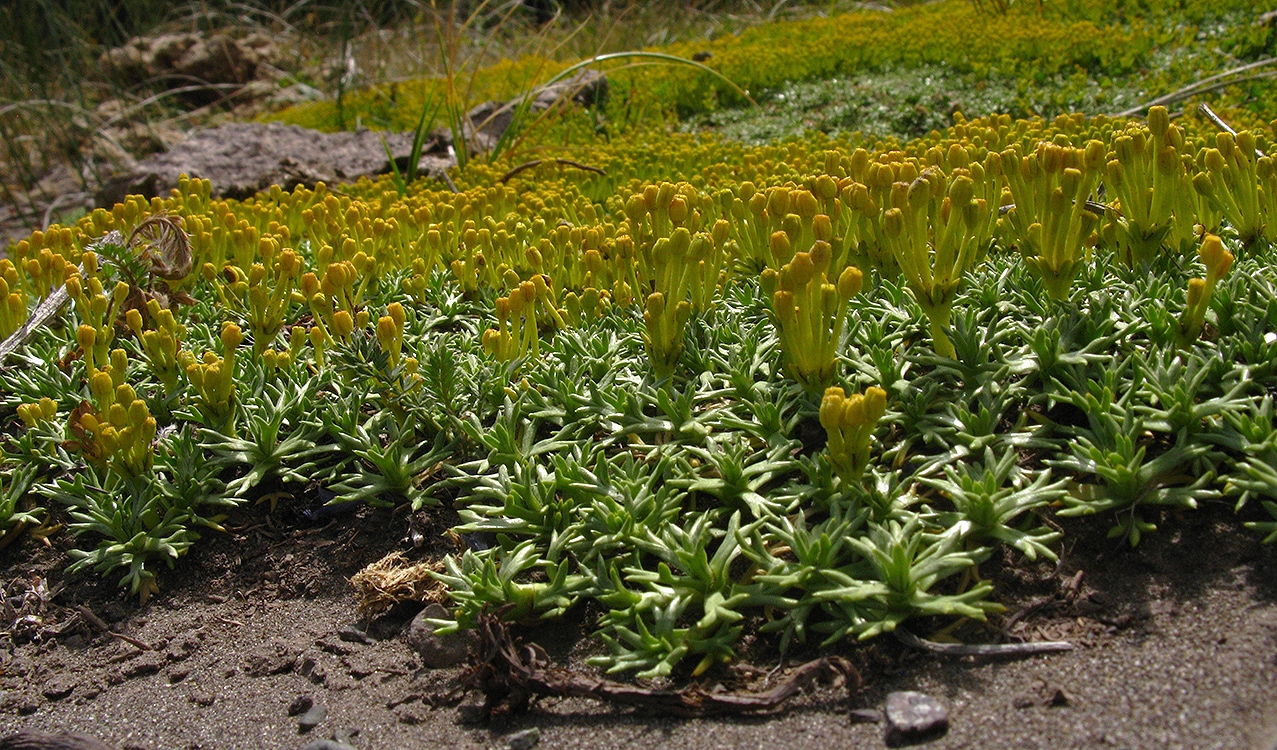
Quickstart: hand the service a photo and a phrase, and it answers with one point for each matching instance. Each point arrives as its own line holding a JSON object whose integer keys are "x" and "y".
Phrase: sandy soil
{"x": 1176, "y": 647}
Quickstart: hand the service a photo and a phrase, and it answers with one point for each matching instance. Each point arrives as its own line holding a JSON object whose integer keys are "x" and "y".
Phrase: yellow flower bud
{"x": 831, "y": 408}
{"x": 850, "y": 282}
{"x": 343, "y": 324}
{"x": 28, "y": 415}
{"x": 803, "y": 203}
{"x": 678, "y": 210}
{"x": 853, "y": 412}
{"x": 1217, "y": 260}
{"x": 86, "y": 336}
{"x": 232, "y": 336}
{"x": 655, "y": 304}
{"x": 289, "y": 263}
{"x": 1158, "y": 121}
{"x": 138, "y": 412}
{"x": 134, "y": 320}
{"x": 822, "y": 228}
{"x": 117, "y": 416}
{"x": 1196, "y": 291}
{"x": 781, "y": 249}
{"x": 875, "y": 404}
{"x": 396, "y": 312}
{"x": 310, "y": 284}
{"x": 386, "y": 332}
{"x": 125, "y": 394}
{"x": 101, "y": 386}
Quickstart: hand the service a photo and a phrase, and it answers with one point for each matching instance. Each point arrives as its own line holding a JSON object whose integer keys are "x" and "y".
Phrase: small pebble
{"x": 523, "y": 740}
{"x": 914, "y": 717}
{"x": 438, "y": 651}
{"x": 59, "y": 687}
{"x": 312, "y": 718}
{"x": 300, "y": 705}
{"x": 352, "y": 634}
{"x": 200, "y": 696}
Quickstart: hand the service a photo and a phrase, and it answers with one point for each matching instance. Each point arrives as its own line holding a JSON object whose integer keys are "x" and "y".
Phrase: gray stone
{"x": 411, "y": 714}
{"x": 242, "y": 159}
{"x": 201, "y": 696}
{"x": 313, "y": 717}
{"x": 439, "y": 651}
{"x": 274, "y": 658}
{"x": 489, "y": 121}
{"x": 914, "y": 717}
{"x": 24, "y": 704}
{"x": 865, "y": 716}
{"x": 58, "y": 687}
{"x": 183, "y": 58}
{"x": 352, "y": 634}
{"x": 300, "y": 705}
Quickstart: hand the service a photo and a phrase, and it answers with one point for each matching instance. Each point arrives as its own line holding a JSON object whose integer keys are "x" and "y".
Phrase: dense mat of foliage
{"x": 806, "y": 383}
{"x": 1056, "y": 54}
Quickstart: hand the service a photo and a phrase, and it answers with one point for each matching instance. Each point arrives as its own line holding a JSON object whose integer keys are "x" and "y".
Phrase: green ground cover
{"x": 711, "y": 387}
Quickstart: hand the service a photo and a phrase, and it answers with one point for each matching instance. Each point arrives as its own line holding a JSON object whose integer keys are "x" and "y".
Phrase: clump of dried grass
{"x": 392, "y": 580}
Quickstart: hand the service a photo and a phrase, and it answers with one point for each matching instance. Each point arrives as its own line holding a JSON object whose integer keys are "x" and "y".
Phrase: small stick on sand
{"x": 984, "y": 649}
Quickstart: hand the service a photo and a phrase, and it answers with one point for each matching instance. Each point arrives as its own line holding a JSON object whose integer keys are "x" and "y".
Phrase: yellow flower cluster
{"x": 117, "y": 433}
{"x": 1154, "y": 192}
{"x": 933, "y": 231}
{"x": 161, "y": 336}
{"x": 40, "y": 412}
{"x": 13, "y": 301}
{"x": 1230, "y": 183}
{"x": 849, "y": 424}
{"x": 516, "y": 333}
{"x": 810, "y": 310}
{"x": 44, "y": 260}
{"x": 1218, "y": 262}
{"x": 552, "y": 251}
{"x": 1049, "y": 219}
{"x": 214, "y": 379}
{"x": 96, "y": 310}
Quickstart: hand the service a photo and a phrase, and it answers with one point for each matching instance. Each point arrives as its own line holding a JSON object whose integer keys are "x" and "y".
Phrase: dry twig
{"x": 982, "y": 649}
{"x": 1206, "y": 85}
{"x": 538, "y": 162}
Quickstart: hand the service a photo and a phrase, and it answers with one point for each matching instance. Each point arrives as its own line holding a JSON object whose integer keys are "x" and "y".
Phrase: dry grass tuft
{"x": 392, "y": 580}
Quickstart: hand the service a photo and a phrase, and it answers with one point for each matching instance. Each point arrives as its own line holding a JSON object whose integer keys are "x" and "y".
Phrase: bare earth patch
{"x": 1176, "y": 647}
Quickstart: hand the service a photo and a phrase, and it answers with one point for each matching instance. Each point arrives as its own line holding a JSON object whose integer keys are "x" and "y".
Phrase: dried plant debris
{"x": 393, "y": 580}
{"x": 510, "y": 674}
{"x": 25, "y": 608}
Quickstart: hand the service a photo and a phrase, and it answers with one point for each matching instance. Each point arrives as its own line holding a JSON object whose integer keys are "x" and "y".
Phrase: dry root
{"x": 510, "y": 674}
